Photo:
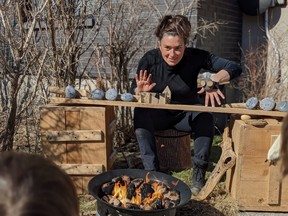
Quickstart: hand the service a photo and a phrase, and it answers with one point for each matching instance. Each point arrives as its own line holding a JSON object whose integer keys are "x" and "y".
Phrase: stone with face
{"x": 172, "y": 49}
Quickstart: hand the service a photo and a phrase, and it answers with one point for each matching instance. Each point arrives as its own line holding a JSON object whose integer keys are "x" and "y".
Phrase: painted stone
{"x": 111, "y": 94}
{"x": 267, "y": 104}
{"x": 128, "y": 97}
{"x": 70, "y": 92}
{"x": 282, "y": 106}
{"x": 251, "y": 103}
{"x": 97, "y": 94}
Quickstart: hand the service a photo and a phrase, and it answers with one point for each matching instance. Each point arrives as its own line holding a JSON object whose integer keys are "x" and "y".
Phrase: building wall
{"x": 278, "y": 31}
{"x": 226, "y": 41}
{"x": 268, "y": 30}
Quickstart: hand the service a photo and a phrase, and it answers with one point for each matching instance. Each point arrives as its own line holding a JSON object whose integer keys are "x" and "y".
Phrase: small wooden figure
{"x": 156, "y": 98}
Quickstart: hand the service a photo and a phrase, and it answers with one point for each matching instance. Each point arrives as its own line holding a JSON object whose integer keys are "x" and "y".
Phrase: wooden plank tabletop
{"x": 238, "y": 108}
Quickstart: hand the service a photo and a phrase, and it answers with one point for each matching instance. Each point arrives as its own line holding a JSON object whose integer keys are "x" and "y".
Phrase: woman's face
{"x": 172, "y": 49}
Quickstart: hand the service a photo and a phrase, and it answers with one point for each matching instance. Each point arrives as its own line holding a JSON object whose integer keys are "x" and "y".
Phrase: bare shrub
{"x": 265, "y": 69}
{"x": 253, "y": 79}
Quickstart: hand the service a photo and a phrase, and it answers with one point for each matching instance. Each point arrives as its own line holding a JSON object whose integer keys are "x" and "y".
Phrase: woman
{"x": 177, "y": 66}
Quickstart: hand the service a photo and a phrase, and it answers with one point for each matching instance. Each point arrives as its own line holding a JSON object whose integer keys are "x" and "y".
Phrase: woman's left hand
{"x": 212, "y": 96}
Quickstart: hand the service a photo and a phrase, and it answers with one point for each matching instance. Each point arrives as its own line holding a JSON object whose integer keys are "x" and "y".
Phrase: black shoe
{"x": 198, "y": 179}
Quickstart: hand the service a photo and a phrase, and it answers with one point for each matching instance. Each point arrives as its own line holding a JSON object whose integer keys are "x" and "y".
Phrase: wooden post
{"x": 173, "y": 150}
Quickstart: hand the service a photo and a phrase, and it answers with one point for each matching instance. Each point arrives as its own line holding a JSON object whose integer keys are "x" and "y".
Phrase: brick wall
{"x": 227, "y": 40}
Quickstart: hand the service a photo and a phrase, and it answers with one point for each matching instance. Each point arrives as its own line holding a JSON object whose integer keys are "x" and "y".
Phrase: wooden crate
{"x": 79, "y": 139}
{"x": 252, "y": 182}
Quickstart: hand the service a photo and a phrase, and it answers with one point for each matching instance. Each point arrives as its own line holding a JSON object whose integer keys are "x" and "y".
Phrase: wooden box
{"x": 79, "y": 140}
{"x": 253, "y": 182}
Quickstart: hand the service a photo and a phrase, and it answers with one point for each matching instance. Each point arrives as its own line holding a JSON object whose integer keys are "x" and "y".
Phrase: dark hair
{"x": 284, "y": 146}
{"x": 174, "y": 25}
{"x": 31, "y": 185}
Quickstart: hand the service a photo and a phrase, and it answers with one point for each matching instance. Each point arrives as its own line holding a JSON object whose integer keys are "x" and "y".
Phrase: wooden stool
{"x": 173, "y": 150}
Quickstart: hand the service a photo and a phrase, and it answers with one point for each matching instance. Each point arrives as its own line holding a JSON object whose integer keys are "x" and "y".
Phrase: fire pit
{"x": 105, "y": 209}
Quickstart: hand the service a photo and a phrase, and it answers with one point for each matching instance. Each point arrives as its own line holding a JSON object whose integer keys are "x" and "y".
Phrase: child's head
{"x": 33, "y": 185}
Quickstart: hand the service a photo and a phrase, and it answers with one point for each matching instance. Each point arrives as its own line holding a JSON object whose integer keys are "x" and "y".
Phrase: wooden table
{"x": 238, "y": 108}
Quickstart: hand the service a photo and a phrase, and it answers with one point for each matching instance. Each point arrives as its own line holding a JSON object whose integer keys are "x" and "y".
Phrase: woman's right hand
{"x": 143, "y": 82}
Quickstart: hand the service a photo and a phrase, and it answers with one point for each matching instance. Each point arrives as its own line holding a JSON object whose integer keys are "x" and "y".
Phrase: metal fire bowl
{"x": 94, "y": 188}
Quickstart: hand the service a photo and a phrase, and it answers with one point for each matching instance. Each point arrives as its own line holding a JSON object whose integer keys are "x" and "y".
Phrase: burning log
{"x": 107, "y": 188}
{"x": 126, "y": 179}
{"x": 132, "y": 206}
{"x": 137, "y": 182}
{"x": 171, "y": 199}
{"x": 131, "y": 191}
{"x": 156, "y": 204}
{"x": 146, "y": 207}
{"x": 112, "y": 200}
{"x": 162, "y": 188}
{"x": 167, "y": 203}
{"x": 139, "y": 193}
{"x": 146, "y": 190}
{"x": 172, "y": 195}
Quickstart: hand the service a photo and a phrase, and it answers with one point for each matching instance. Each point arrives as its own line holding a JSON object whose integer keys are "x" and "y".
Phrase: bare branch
{"x": 33, "y": 94}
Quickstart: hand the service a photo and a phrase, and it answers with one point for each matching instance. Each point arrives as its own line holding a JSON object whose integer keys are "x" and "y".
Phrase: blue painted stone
{"x": 267, "y": 104}
{"x": 97, "y": 94}
{"x": 127, "y": 97}
{"x": 251, "y": 103}
{"x": 111, "y": 94}
{"x": 283, "y": 106}
{"x": 70, "y": 92}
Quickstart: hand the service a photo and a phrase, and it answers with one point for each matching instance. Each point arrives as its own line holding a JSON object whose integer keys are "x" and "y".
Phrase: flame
{"x": 147, "y": 178}
{"x": 137, "y": 199}
{"x": 155, "y": 195}
{"x": 120, "y": 192}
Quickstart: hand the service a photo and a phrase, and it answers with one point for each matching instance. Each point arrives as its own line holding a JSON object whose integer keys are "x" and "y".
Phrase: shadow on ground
{"x": 196, "y": 208}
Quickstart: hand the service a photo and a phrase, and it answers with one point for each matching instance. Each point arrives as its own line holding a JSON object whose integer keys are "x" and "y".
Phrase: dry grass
{"x": 87, "y": 205}
{"x": 261, "y": 77}
{"x": 252, "y": 82}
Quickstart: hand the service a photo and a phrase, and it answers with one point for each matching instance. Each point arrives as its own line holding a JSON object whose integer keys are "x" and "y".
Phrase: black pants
{"x": 147, "y": 121}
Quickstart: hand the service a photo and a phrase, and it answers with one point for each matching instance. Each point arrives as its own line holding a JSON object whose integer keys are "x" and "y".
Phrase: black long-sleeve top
{"x": 182, "y": 78}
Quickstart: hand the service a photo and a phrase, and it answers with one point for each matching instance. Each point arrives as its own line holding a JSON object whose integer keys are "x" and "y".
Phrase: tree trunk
{"x": 7, "y": 136}
{"x": 173, "y": 150}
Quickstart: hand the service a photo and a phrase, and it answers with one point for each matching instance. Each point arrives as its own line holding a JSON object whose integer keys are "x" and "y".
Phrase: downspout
{"x": 276, "y": 67}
